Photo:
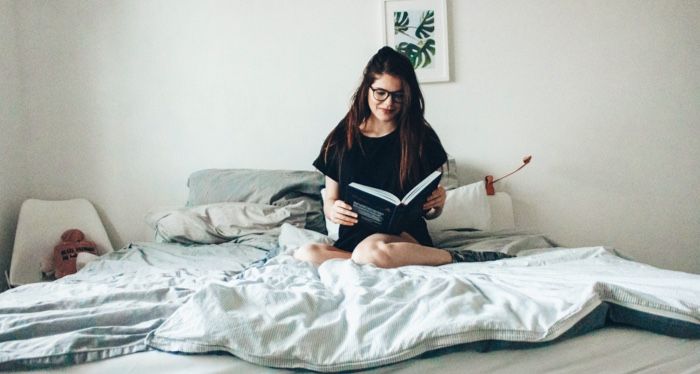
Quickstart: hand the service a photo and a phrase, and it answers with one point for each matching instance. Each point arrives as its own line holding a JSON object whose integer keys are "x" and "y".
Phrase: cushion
{"x": 221, "y": 222}
{"x": 332, "y": 229}
{"x": 274, "y": 187}
{"x": 465, "y": 207}
{"x": 501, "y": 212}
{"x": 449, "y": 174}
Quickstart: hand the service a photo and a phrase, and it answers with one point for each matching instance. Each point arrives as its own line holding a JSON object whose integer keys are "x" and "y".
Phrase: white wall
{"x": 13, "y": 143}
{"x": 128, "y": 97}
{"x": 605, "y": 95}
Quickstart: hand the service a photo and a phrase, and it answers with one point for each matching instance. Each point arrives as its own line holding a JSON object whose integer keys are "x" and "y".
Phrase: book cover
{"x": 384, "y": 212}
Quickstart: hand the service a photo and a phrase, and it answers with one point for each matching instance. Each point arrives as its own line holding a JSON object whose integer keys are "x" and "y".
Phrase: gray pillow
{"x": 274, "y": 187}
{"x": 222, "y": 222}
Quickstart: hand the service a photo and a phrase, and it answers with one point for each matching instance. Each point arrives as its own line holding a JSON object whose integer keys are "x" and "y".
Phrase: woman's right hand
{"x": 341, "y": 213}
{"x": 336, "y": 210}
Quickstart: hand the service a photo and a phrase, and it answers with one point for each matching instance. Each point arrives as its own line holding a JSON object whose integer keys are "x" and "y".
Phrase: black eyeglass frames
{"x": 381, "y": 94}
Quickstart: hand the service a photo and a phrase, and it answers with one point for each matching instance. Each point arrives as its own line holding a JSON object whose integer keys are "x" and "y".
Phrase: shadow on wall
{"x": 468, "y": 174}
{"x": 112, "y": 232}
{"x": 8, "y": 223}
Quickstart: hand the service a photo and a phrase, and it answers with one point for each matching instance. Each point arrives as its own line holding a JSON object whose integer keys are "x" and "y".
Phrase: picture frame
{"x": 418, "y": 30}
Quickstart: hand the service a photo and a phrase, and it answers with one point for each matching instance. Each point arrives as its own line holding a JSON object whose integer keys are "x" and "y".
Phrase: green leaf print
{"x": 400, "y": 22}
{"x": 427, "y": 25}
{"x": 421, "y": 54}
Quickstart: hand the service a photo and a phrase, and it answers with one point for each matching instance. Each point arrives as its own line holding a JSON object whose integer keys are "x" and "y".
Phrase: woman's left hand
{"x": 436, "y": 199}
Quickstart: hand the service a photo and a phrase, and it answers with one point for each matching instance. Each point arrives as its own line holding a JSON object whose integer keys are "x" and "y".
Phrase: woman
{"x": 384, "y": 141}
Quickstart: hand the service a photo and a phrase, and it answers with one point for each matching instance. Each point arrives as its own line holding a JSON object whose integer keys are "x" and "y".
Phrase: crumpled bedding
{"x": 343, "y": 316}
{"x": 109, "y": 307}
{"x": 223, "y": 222}
{"x": 511, "y": 242}
{"x": 243, "y": 298}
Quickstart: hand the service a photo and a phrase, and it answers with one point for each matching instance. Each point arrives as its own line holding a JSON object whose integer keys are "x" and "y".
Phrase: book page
{"x": 376, "y": 192}
{"x": 419, "y": 188}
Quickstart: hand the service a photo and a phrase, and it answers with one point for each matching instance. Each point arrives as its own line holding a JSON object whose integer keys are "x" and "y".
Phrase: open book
{"x": 386, "y": 213}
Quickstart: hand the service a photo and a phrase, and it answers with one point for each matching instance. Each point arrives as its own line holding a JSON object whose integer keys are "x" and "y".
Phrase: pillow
{"x": 502, "y": 217}
{"x": 332, "y": 229}
{"x": 218, "y": 223}
{"x": 465, "y": 207}
{"x": 449, "y": 174}
{"x": 273, "y": 187}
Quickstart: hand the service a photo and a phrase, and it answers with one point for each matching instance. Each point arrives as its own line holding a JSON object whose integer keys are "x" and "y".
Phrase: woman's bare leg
{"x": 318, "y": 253}
{"x": 390, "y": 251}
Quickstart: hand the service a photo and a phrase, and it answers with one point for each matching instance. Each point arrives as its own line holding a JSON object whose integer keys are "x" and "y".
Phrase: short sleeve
{"x": 327, "y": 164}
{"x": 434, "y": 154}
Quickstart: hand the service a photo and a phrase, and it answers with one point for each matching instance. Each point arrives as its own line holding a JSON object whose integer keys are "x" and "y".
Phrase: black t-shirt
{"x": 375, "y": 162}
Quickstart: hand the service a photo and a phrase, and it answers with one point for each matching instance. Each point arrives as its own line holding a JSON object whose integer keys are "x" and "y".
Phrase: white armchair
{"x": 39, "y": 230}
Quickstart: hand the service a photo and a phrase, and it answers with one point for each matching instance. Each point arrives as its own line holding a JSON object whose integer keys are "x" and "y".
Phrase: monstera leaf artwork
{"x": 418, "y": 30}
{"x": 400, "y": 22}
{"x": 427, "y": 24}
{"x": 413, "y": 31}
{"x": 419, "y": 54}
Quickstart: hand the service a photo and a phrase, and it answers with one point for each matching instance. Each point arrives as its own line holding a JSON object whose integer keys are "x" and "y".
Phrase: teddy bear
{"x": 65, "y": 254}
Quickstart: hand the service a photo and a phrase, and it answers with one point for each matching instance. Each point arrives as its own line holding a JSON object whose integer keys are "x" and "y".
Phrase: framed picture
{"x": 418, "y": 29}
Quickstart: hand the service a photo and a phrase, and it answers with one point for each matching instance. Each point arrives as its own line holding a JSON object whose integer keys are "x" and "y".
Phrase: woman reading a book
{"x": 384, "y": 142}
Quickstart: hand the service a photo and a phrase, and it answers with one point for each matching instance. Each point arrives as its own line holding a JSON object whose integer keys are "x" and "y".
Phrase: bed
{"x": 219, "y": 290}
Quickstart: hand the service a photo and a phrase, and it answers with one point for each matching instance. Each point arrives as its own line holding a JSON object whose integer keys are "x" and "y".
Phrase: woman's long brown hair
{"x": 411, "y": 124}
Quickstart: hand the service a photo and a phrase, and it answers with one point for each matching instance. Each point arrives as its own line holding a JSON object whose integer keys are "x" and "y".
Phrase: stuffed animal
{"x": 66, "y": 253}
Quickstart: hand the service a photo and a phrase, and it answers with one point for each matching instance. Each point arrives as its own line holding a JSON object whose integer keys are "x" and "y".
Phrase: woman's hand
{"x": 336, "y": 210}
{"x": 435, "y": 201}
{"x": 341, "y": 213}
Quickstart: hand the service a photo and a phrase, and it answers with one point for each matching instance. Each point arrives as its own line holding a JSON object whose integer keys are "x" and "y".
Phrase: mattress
{"x": 610, "y": 350}
{"x": 613, "y": 348}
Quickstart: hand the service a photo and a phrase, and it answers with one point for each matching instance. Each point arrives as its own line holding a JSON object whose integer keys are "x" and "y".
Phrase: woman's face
{"x": 385, "y": 97}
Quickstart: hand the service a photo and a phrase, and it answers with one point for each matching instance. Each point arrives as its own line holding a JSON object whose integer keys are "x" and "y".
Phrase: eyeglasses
{"x": 381, "y": 94}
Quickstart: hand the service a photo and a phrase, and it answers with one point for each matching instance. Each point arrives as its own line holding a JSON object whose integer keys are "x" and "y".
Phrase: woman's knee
{"x": 375, "y": 252}
{"x": 309, "y": 252}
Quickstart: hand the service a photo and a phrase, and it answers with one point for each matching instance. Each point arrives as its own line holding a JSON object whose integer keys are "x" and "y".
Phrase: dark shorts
{"x": 351, "y": 236}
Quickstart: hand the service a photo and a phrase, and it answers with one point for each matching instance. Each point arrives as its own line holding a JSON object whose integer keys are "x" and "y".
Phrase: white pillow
{"x": 331, "y": 228}
{"x": 465, "y": 207}
{"x": 501, "y": 212}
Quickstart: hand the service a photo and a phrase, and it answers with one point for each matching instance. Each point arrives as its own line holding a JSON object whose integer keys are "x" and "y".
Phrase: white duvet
{"x": 107, "y": 309}
{"x": 344, "y": 316}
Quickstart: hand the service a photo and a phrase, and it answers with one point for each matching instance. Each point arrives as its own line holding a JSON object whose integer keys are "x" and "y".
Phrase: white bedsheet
{"x": 343, "y": 316}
